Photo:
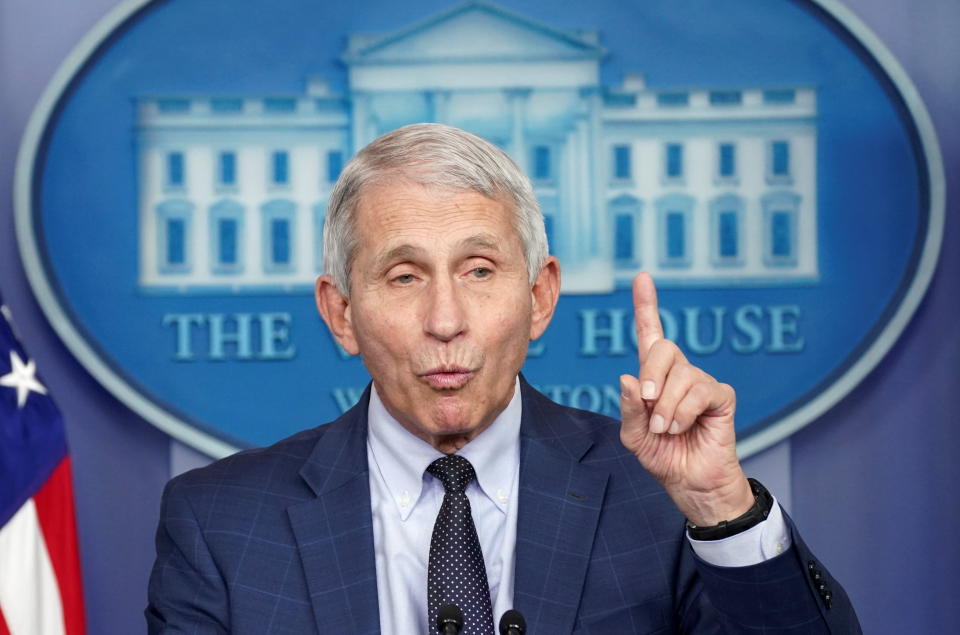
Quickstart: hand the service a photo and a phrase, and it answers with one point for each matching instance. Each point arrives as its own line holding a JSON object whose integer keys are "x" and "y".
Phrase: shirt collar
{"x": 402, "y": 458}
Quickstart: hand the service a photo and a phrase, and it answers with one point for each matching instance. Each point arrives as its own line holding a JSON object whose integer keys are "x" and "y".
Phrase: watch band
{"x": 762, "y": 504}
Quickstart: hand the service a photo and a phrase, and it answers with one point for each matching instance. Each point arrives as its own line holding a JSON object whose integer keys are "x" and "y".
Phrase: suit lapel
{"x": 334, "y": 531}
{"x": 559, "y": 507}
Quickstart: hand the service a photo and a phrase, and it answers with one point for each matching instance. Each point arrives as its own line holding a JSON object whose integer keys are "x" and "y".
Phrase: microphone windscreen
{"x": 513, "y": 619}
{"x": 447, "y": 615}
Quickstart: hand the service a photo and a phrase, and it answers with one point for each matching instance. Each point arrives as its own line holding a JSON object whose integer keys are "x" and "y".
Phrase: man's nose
{"x": 445, "y": 318}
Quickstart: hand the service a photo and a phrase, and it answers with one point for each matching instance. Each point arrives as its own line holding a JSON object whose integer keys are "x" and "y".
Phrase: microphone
{"x": 449, "y": 619}
{"x": 512, "y": 623}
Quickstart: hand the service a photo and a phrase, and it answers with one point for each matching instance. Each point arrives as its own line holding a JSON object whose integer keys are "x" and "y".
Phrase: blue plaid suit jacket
{"x": 280, "y": 540}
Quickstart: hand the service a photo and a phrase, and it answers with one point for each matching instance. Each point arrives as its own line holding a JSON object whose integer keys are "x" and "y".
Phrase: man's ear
{"x": 544, "y": 293}
{"x": 334, "y": 308}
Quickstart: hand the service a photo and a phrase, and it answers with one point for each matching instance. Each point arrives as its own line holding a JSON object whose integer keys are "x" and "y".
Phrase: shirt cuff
{"x": 763, "y": 541}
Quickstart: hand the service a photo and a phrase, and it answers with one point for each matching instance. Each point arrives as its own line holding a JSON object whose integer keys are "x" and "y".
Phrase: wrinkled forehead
{"x": 387, "y": 204}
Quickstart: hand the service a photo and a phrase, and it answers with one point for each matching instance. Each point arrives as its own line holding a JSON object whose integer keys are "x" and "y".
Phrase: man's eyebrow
{"x": 482, "y": 241}
{"x": 398, "y": 253}
{"x": 407, "y": 251}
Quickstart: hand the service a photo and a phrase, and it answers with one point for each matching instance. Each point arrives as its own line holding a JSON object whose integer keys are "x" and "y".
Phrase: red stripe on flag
{"x": 55, "y": 511}
{"x": 3, "y": 625}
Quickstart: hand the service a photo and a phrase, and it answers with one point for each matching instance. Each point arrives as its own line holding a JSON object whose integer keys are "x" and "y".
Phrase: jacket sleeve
{"x": 791, "y": 593}
{"x": 187, "y": 593}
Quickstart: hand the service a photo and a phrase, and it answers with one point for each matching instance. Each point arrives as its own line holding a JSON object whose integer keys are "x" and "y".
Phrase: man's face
{"x": 440, "y": 308}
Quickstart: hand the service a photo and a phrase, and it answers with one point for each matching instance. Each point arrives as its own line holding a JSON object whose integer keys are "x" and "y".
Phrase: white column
{"x": 360, "y": 107}
{"x": 567, "y": 189}
{"x": 584, "y": 199}
{"x": 601, "y": 237}
{"x": 438, "y": 106}
{"x": 517, "y": 99}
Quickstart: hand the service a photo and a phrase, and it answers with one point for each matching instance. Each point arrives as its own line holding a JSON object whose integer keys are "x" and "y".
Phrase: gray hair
{"x": 432, "y": 155}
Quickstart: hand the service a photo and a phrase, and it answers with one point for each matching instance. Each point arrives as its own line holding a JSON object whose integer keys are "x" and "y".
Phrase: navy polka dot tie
{"x": 456, "y": 573}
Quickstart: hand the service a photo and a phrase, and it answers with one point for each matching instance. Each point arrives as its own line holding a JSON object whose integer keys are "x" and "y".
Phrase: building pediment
{"x": 475, "y": 31}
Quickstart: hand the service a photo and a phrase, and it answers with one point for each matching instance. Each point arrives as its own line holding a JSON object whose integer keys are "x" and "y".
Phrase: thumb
{"x": 633, "y": 409}
{"x": 634, "y": 416}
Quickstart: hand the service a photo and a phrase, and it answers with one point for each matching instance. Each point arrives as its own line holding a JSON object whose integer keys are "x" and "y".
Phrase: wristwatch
{"x": 762, "y": 504}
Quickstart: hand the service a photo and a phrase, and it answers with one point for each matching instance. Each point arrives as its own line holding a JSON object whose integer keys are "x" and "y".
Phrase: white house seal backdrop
{"x": 768, "y": 162}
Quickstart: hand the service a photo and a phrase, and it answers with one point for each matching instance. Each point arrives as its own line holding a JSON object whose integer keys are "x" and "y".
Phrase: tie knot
{"x": 454, "y": 471}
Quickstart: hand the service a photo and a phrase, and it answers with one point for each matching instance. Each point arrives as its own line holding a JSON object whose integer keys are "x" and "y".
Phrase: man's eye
{"x": 481, "y": 272}
{"x": 405, "y": 278}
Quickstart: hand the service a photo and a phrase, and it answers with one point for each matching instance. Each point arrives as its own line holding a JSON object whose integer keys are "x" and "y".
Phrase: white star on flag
{"x": 22, "y": 376}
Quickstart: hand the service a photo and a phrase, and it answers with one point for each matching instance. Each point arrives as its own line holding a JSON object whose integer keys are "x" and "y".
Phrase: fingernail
{"x": 648, "y": 389}
{"x": 657, "y": 424}
{"x": 624, "y": 393}
{"x": 675, "y": 427}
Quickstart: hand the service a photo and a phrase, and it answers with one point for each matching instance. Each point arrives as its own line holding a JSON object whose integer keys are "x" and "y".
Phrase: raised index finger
{"x": 646, "y": 314}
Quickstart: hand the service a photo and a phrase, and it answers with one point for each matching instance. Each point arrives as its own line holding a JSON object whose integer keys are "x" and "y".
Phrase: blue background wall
{"x": 871, "y": 483}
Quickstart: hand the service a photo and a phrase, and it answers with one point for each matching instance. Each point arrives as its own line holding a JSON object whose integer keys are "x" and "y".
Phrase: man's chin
{"x": 450, "y": 419}
{"x": 449, "y": 438}
{"x": 452, "y": 429}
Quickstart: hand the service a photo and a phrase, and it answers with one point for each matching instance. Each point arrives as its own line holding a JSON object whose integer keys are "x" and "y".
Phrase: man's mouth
{"x": 447, "y": 377}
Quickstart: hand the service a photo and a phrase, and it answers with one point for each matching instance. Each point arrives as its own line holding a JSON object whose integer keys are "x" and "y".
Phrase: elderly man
{"x": 452, "y": 481}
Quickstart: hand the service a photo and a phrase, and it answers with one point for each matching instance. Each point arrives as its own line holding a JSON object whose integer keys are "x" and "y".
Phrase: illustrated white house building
{"x": 706, "y": 186}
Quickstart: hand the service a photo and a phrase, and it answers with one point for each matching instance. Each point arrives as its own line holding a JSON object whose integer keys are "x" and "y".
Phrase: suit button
{"x": 827, "y": 598}
{"x": 811, "y": 565}
{"x": 816, "y": 575}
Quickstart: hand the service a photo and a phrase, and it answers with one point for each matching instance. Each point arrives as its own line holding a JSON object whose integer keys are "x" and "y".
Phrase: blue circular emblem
{"x": 768, "y": 162}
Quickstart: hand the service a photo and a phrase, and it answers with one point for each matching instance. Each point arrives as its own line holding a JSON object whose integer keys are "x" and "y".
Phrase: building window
{"x": 224, "y": 105}
{"x": 173, "y": 105}
{"x": 674, "y": 213}
{"x": 779, "y": 161}
{"x": 280, "y": 241}
{"x": 280, "y": 168}
{"x": 619, "y": 100}
{"x": 227, "y": 169}
{"x": 625, "y": 219}
{"x": 542, "y": 168}
{"x": 728, "y": 245}
{"x": 227, "y": 241}
{"x": 621, "y": 162}
{"x": 779, "y": 96}
{"x": 781, "y": 234}
{"x": 623, "y": 237}
{"x": 673, "y": 161}
{"x": 279, "y": 104}
{"x": 676, "y": 235}
{"x": 780, "y": 212}
{"x": 226, "y": 237}
{"x": 176, "y": 169}
{"x": 334, "y": 165}
{"x": 673, "y": 99}
{"x": 725, "y": 97}
{"x": 173, "y": 236}
{"x": 176, "y": 241}
{"x": 726, "y": 213}
{"x": 727, "y": 161}
{"x": 278, "y": 236}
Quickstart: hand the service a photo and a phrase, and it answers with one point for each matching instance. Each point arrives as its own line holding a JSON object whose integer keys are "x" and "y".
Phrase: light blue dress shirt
{"x": 406, "y": 500}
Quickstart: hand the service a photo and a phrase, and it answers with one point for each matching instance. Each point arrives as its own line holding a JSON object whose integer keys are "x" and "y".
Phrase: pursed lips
{"x": 447, "y": 377}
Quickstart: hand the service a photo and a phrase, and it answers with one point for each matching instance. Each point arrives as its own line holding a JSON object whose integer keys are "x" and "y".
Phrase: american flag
{"x": 40, "y": 591}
